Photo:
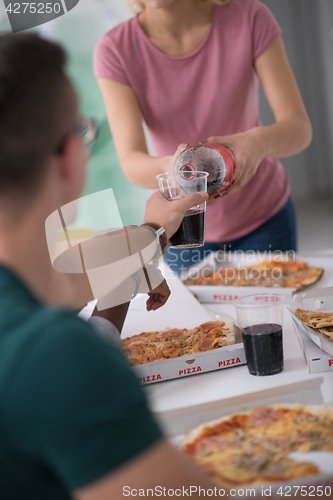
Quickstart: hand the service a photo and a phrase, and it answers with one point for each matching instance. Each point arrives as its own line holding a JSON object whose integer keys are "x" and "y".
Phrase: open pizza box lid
{"x": 318, "y": 299}
{"x": 215, "y": 261}
{"x": 317, "y": 360}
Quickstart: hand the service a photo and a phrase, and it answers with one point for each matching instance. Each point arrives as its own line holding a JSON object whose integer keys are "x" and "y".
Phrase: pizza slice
{"x": 328, "y": 332}
{"x": 315, "y": 319}
{"x": 217, "y": 333}
{"x": 303, "y": 278}
{"x": 139, "y": 351}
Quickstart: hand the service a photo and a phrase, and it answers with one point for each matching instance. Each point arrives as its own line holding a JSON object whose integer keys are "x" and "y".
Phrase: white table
{"x": 179, "y": 404}
{"x": 182, "y": 403}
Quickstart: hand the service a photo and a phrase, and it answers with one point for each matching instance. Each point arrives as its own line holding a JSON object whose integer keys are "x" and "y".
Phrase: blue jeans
{"x": 277, "y": 233}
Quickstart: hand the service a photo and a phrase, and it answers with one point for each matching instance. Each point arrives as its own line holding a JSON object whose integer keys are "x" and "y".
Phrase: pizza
{"x": 315, "y": 319}
{"x": 174, "y": 342}
{"x": 253, "y": 447}
{"x": 318, "y": 320}
{"x": 327, "y": 332}
{"x": 267, "y": 273}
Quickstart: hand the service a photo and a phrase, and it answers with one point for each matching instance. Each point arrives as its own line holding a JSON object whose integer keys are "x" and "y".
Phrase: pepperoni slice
{"x": 171, "y": 333}
{"x": 263, "y": 416}
{"x": 206, "y": 342}
{"x": 207, "y": 327}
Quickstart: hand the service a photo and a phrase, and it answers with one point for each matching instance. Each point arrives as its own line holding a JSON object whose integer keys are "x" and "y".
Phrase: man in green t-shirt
{"x": 74, "y": 421}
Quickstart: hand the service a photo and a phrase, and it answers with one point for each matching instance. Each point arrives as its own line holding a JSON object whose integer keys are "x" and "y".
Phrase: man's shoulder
{"x": 54, "y": 351}
{"x": 49, "y": 331}
{"x": 44, "y": 340}
{"x": 45, "y": 325}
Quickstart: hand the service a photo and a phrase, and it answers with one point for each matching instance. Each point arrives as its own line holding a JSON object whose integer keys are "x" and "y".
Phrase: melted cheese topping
{"x": 264, "y": 274}
{"x": 173, "y": 343}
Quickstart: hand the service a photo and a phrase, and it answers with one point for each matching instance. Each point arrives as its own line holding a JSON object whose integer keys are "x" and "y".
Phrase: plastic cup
{"x": 191, "y": 232}
{"x": 260, "y": 319}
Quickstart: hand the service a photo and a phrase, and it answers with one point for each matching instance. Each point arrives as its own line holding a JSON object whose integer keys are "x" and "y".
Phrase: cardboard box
{"x": 317, "y": 359}
{"x": 193, "y": 364}
{"x": 317, "y": 299}
{"x": 182, "y": 310}
{"x": 227, "y": 294}
{"x": 177, "y": 422}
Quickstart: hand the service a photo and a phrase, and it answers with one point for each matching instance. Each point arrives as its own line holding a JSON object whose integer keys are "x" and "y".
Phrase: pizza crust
{"x": 315, "y": 319}
{"x": 328, "y": 332}
{"x": 227, "y": 332}
{"x": 293, "y": 274}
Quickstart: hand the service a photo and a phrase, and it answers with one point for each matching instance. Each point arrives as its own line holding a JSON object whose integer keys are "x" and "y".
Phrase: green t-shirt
{"x": 71, "y": 410}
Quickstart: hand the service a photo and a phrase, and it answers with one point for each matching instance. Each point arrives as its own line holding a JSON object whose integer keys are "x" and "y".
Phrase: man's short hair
{"x": 37, "y": 109}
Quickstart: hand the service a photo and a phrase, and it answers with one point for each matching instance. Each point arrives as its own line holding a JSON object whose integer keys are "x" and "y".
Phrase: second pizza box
{"x": 182, "y": 310}
{"x": 316, "y": 300}
{"x": 318, "y": 361}
{"x": 227, "y": 294}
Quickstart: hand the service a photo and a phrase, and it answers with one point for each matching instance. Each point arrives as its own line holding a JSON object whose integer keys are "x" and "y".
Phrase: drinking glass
{"x": 191, "y": 232}
{"x": 260, "y": 319}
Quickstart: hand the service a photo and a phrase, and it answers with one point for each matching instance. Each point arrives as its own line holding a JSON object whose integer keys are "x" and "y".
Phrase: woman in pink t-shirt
{"x": 190, "y": 69}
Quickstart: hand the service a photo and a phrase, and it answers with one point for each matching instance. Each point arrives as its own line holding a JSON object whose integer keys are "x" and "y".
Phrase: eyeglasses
{"x": 86, "y": 129}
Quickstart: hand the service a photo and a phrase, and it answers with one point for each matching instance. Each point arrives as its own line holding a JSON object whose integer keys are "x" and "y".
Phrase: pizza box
{"x": 182, "y": 310}
{"x": 309, "y": 394}
{"x": 317, "y": 299}
{"x": 318, "y": 361}
{"x": 177, "y": 422}
{"x": 227, "y": 294}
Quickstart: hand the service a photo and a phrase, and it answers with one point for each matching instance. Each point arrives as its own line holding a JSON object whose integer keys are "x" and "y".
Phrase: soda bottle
{"x": 215, "y": 159}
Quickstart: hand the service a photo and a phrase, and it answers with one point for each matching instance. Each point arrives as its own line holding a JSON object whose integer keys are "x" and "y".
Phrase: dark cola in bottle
{"x": 215, "y": 159}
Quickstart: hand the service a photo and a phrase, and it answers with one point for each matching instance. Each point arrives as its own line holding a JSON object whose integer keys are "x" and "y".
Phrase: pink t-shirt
{"x": 213, "y": 91}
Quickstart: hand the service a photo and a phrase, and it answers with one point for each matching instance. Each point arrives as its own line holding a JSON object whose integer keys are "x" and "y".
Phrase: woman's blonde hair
{"x": 136, "y": 5}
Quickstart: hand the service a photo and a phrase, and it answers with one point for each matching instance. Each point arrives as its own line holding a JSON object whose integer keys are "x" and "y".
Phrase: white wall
{"x": 307, "y": 33}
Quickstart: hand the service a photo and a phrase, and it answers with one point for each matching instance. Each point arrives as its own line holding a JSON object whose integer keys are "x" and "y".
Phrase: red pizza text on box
{"x": 150, "y": 378}
{"x": 224, "y": 298}
{"x": 187, "y": 371}
{"x": 267, "y": 298}
{"x": 229, "y": 362}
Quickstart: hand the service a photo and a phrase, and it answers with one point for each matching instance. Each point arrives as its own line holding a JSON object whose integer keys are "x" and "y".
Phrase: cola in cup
{"x": 191, "y": 232}
{"x": 260, "y": 320}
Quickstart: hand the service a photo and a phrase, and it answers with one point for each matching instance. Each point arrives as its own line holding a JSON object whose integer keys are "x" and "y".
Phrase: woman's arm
{"x": 292, "y": 131}
{"x": 290, "y": 134}
{"x": 125, "y": 122}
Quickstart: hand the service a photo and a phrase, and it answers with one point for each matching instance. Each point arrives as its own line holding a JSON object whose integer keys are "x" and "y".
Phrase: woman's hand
{"x": 249, "y": 153}
{"x": 171, "y": 160}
